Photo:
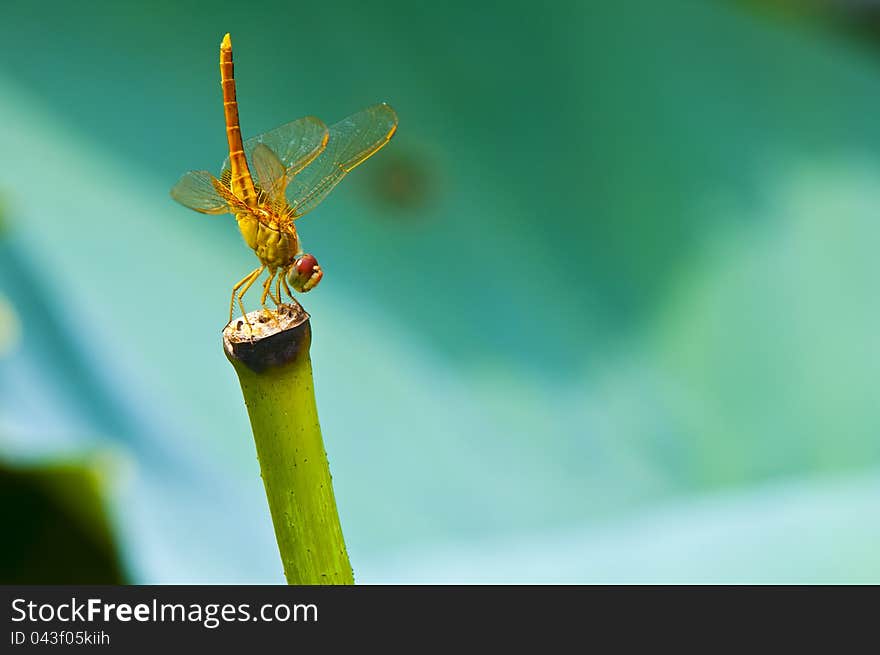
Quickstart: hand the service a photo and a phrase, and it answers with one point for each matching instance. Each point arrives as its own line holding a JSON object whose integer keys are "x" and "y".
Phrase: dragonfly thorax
{"x": 273, "y": 240}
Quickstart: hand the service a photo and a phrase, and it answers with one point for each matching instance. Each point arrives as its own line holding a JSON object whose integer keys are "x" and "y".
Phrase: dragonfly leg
{"x": 283, "y": 278}
{"x": 267, "y": 291}
{"x": 277, "y": 297}
{"x": 247, "y": 285}
{"x": 238, "y": 286}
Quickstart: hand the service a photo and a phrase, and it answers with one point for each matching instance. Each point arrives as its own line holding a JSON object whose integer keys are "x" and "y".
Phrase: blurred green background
{"x": 605, "y": 310}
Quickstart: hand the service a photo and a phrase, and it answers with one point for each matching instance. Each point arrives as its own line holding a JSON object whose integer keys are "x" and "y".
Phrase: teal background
{"x": 605, "y": 309}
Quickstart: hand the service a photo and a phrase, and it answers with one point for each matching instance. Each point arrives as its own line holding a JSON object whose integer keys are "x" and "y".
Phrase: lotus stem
{"x": 271, "y": 359}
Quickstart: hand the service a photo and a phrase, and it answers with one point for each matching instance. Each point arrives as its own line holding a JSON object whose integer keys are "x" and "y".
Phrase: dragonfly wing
{"x": 352, "y": 141}
{"x": 269, "y": 172}
{"x": 196, "y": 190}
{"x": 295, "y": 144}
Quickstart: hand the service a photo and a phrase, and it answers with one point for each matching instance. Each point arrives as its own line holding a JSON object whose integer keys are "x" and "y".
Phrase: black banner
{"x": 241, "y": 618}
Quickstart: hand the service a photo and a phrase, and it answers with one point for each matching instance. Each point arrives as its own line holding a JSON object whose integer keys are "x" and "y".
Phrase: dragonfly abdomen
{"x": 275, "y": 246}
{"x": 241, "y": 182}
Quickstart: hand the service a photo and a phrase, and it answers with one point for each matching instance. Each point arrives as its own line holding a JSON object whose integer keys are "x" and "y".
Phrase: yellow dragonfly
{"x": 294, "y": 167}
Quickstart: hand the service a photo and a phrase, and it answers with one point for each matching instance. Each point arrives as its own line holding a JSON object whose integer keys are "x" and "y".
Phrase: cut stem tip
{"x": 266, "y": 337}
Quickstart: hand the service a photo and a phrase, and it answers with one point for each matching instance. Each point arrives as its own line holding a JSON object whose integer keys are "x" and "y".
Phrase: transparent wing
{"x": 196, "y": 190}
{"x": 295, "y": 144}
{"x": 269, "y": 172}
{"x": 352, "y": 141}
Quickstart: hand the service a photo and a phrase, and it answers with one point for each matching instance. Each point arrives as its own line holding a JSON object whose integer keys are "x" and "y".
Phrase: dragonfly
{"x": 271, "y": 180}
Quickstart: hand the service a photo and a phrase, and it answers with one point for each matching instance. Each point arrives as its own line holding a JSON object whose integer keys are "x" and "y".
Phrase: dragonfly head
{"x": 305, "y": 274}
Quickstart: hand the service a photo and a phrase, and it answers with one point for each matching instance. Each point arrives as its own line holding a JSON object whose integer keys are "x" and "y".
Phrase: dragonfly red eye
{"x": 305, "y": 274}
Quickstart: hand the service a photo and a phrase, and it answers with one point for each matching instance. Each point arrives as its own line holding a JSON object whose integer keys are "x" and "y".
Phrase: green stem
{"x": 275, "y": 372}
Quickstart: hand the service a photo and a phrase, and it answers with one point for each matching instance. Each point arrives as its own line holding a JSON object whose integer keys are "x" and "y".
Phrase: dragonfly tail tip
{"x": 226, "y": 44}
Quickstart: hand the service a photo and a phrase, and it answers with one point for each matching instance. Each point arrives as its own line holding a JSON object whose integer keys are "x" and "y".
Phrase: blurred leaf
{"x": 10, "y": 328}
{"x": 55, "y": 527}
